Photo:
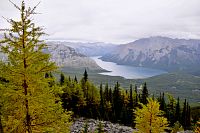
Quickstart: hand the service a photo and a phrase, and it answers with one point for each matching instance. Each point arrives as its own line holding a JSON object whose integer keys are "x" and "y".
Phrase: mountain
{"x": 89, "y": 49}
{"x": 65, "y": 56}
{"x": 160, "y": 53}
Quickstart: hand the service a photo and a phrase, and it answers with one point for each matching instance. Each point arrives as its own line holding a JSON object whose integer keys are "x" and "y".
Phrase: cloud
{"x": 116, "y": 21}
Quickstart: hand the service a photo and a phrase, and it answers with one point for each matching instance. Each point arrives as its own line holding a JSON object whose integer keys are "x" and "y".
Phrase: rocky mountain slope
{"x": 65, "y": 56}
{"x": 89, "y": 49}
{"x": 158, "y": 52}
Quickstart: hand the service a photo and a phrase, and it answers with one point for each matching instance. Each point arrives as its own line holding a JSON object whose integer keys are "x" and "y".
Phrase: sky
{"x": 112, "y": 21}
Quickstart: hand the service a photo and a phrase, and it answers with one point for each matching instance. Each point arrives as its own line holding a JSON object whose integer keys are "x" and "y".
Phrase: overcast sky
{"x": 115, "y": 21}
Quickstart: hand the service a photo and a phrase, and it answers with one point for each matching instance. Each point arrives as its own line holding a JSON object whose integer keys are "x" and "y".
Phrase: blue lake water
{"x": 125, "y": 71}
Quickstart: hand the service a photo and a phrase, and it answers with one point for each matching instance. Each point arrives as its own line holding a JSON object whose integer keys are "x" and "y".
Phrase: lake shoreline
{"x": 125, "y": 71}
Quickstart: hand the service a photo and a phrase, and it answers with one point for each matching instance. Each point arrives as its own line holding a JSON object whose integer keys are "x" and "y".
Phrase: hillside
{"x": 178, "y": 84}
{"x": 65, "y": 56}
{"x": 159, "y": 52}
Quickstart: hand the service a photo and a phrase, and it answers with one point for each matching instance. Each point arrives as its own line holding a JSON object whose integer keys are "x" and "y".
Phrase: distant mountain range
{"x": 154, "y": 52}
{"x": 89, "y": 49}
{"x": 159, "y": 52}
{"x": 66, "y": 57}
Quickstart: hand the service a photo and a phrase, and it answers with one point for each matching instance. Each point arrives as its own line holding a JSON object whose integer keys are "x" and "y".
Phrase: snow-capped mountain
{"x": 89, "y": 49}
{"x": 158, "y": 52}
{"x": 65, "y": 56}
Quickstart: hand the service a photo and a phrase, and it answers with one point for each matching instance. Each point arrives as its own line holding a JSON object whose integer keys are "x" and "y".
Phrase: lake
{"x": 128, "y": 72}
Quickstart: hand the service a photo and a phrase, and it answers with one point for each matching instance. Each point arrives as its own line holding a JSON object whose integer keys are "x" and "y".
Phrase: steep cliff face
{"x": 158, "y": 52}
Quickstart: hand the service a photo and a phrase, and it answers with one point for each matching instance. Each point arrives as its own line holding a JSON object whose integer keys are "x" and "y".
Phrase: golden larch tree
{"x": 149, "y": 118}
{"x": 30, "y": 105}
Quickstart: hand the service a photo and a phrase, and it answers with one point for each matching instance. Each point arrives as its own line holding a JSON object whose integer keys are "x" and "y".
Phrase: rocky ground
{"x": 93, "y": 126}
{"x": 107, "y": 127}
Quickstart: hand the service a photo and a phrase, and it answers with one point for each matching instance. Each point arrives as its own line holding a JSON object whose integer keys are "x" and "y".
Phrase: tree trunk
{"x": 28, "y": 119}
{"x": 24, "y": 85}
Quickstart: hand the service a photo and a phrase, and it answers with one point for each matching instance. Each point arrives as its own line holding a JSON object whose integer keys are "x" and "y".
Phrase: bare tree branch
{"x": 15, "y": 5}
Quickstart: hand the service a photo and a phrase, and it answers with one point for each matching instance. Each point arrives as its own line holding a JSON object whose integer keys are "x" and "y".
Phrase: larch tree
{"x": 149, "y": 118}
{"x": 30, "y": 104}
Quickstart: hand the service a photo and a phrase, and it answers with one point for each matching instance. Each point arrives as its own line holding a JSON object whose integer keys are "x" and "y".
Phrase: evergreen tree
{"x": 125, "y": 119}
{"x": 171, "y": 109}
{"x": 177, "y": 114}
{"x": 75, "y": 79}
{"x": 130, "y": 106}
{"x": 136, "y": 96}
{"x": 62, "y": 79}
{"x": 162, "y": 102}
{"x": 106, "y": 92}
{"x": 153, "y": 97}
{"x": 101, "y": 102}
{"x": 188, "y": 119}
{"x": 31, "y": 106}
{"x": 117, "y": 102}
{"x": 85, "y": 76}
{"x": 144, "y": 94}
{"x": 85, "y": 84}
{"x": 136, "y": 100}
{"x": 110, "y": 106}
{"x": 131, "y": 97}
{"x": 184, "y": 113}
{"x": 110, "y": 95}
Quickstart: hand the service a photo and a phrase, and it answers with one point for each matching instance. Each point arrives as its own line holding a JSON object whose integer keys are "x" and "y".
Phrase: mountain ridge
{"x": 158, "y": 52}
{"x": 90, "y": 48}
{"x": 65, "y": 56}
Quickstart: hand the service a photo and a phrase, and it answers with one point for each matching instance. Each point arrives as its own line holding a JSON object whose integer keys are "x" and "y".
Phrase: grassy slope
{"x": 178, "y": 84}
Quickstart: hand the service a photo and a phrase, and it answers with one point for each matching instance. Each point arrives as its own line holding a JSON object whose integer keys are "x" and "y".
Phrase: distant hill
{"x": 89, "y": 49}
{"x": 159, "y": 52}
